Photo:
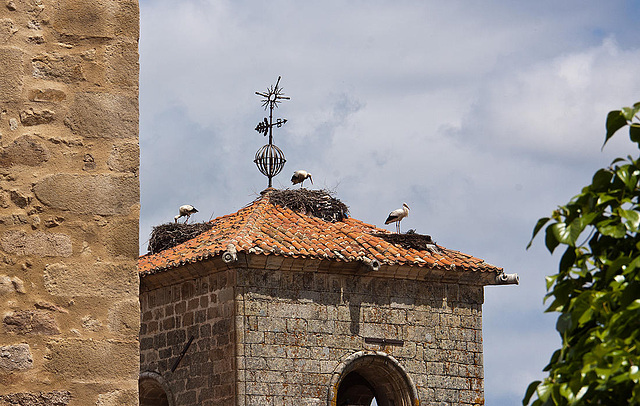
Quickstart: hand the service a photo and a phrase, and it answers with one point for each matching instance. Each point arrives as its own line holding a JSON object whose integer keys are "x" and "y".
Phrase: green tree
{"x": 597, "y": 287}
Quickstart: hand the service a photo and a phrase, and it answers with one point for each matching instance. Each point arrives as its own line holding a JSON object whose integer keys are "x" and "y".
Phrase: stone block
{"x": 89, "y": 194}
{"x": 121, "y": 238}
{"x": 101, "y": 279}
{"x": 87, "y": 18}
{"x": 124, "y": 158}
{"x": 63, "y": 68}
{"x": 86, "y": 359}
{"x": 28, "y": 322}
{"x": 31, "y": 117}
{"x": 25, "y": 150}
{"x": 10, "y": 285}
{"x": 47, "y": 95}
{"x": 103, "y": 115}
{"x": 37, "y": 243}
{"x": 11, "y": 66}
{"x": 55, "y": 398}
{"x": 118, "y": 398}
{"x": 124, "y": 317}
{"x": 7, "y": 30}
{"x": 15, "y": 358}
{"x": 122, "y": 64}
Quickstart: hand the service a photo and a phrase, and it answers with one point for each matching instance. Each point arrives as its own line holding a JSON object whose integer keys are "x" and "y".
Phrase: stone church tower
{"x": 279, "y": 304}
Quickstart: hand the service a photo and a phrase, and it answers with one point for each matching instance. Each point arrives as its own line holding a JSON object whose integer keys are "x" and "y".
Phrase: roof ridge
{"x": 250, "y": 222}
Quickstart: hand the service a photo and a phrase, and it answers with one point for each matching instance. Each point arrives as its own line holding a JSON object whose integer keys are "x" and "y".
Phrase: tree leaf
{"x": 567, "y": 260}
{"x": 567, "y": 233}
{"x": 634, "y": 132}
{"x": 541, "y": 222}
{"x": 628, "y": 113}
{"x": 632, "y": 217}
{"x": 530, "y": 391}
{"x": 550, "y": 240}
{"x": 615, "y": 121}
{"x": 601, "y": 178}
{"x": 564, "y": 323}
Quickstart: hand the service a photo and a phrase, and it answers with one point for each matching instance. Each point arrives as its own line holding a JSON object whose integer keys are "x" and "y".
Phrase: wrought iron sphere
{"x": 270, "y": 160}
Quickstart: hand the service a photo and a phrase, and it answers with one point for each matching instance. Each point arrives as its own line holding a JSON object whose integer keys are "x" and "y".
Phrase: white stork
{"x": 397, "y": 215}
{"x": 300, "y": 176}
{"x": 185, "y": 210}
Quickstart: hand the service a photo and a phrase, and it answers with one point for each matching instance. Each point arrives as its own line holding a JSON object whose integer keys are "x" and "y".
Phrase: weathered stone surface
{"x": 121, "y": 238}
{"x": 19, "y": 199}
{"x": 7, "y": 29}
{"x": 11, "y": 66}
{"x": 11, "y": 285}
{"x": 89, "y": 194}
{"x": 103, "y": 115}
{"x": 124, "y": 158}
{"x": 59, "y": 67}
{"x": 91, "y": 324}
{"x": 86, "y": 18}
{"x": 47, "y": 95}
{"x": 26, "y": 322}
{"x": 50, "y": 306}
{"x": 56, "y": 398}
{"x": 124, "y": 317}
{"x": 26, "y": 150}
{"x": 15, "y": 358}
{"x": 68, "y": 89}
{"x": 89, "y": 162}
{"x": 122, "y": 64}
{"x": 30, "y": 117}
{"x": 118, "y": 398}
{"x": 100, "y": 280}
{"x": 37, "y": 243}
{"x": 86, "y": 359}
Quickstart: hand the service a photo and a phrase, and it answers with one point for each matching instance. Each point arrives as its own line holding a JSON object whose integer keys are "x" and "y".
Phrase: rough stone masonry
{"x": 69, "y": 202}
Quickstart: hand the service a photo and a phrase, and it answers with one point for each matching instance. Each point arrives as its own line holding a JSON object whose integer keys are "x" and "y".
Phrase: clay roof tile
{"x": 263, "y": 227}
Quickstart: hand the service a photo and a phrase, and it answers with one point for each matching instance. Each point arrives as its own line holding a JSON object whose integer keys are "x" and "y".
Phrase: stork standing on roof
{"x": 300, "y": 176}
{"x": 397, "y": 215}
{"x": 185, "y": 210}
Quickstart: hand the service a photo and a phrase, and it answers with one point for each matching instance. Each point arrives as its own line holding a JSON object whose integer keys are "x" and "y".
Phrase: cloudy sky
{"x": 482, "y": 116}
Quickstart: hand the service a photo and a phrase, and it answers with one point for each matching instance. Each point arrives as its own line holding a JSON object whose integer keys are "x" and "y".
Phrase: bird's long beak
{"x": 311, "y": 179}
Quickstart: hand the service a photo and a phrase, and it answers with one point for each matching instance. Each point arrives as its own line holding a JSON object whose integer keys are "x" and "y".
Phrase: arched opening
{"x": 369, "y": 375}
{"x": 153, "y": 390}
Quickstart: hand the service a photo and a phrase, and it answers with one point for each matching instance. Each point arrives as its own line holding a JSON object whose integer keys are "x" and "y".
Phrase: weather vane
{"x": 270, "y": 159}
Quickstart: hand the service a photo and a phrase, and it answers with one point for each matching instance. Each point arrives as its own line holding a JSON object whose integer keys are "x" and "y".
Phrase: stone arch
{"x": 153, "y": 390}
{"x": 368, "y": 374}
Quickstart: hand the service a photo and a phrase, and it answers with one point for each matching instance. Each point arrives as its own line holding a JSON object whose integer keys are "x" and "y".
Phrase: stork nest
{"x": 418, "y": 242}
{"x": 317, "y": 203}
{"x": 169, "y": 235}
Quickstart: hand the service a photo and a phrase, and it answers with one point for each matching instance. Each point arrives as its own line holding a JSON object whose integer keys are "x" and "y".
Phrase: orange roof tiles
{"x": 264, "y": 228}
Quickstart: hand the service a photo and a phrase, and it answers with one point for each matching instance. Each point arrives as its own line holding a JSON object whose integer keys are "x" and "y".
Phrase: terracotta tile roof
{"x": 264, "y": 228}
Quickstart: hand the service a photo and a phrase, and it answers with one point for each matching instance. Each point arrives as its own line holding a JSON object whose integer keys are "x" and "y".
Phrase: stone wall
{"x": 202, "y": 308}
{"x": 69, "y": 202}
{"x": 295, "y": 328}
{"x": 281, "y": 336}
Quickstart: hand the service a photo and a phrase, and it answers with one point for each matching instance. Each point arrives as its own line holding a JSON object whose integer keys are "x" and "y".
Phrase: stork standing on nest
{"x": 300, "y": 176}
{"x": 397, "y": 215}
{"x": 185, "y": 210}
